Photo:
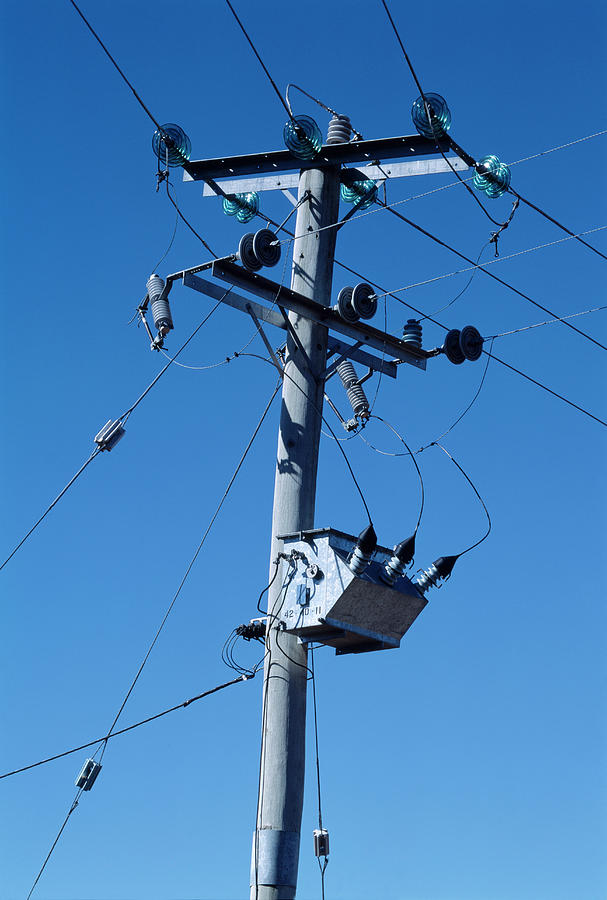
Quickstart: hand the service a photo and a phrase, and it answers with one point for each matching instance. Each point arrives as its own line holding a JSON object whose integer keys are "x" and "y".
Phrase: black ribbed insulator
{"x": 339, "y": 130}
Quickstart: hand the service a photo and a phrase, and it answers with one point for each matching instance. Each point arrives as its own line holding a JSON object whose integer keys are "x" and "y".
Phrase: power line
{"x": 501, "y": 225}
{"x": 545, "y": 388}
{"x": 491, "y": 262}
{"x": 185, "y": 221}
{"x": 524, "y": 200}
{"x": 122, "y": 419}
{"x": 560, "y": 225}
{"x": 584, "y": 312}
{"x": 491, "y": 275}
{"x": 162, "y": 624}
{"x": 95, "y": 453}
{"x": 146, "y": 110}
{"x": 107, "y": 737}
{"x": 194, "y": 558}
{"x": 56, "y": 841}
{"x": 558, "y": 147}
{"x": 445, "y": 328}
{"x": 260, "y": 60}
{"x": 482, "y": 502}
{"x": 116, "y": 66}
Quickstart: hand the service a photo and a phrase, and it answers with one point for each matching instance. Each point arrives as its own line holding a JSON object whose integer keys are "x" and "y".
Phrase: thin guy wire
{"x": 494, "y": 277}
{"x": 95, "y": 453}
{"x": 320, "y": 865}
{"x": 559, "y": 147}
{"x": 584, "y": 312}
{"x": 194, "y": 558}
{"x": 114, "y": 734}
{"x": 259, "y": 59}
{"x": 490, "y": 262}
{"x": 116, "y": 66}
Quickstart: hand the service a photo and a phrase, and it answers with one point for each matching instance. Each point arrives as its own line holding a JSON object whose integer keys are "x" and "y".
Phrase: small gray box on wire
{"x": 109, "y": 435}
{"x": 88, "y": 774}
{"x": 321, "y": 842}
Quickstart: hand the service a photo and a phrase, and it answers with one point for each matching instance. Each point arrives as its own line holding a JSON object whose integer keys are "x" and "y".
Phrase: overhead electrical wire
{"x": 545, "y": 388}
{"x": 511, "y": 190}
{"x": 194, "y": 558}
{"x": 260, "y": 60}
{"x": 494, "y": 277}
{"x": 116, "y": 66}
{"x": 107, "y": 737}
{"x": 413, "y": 460}
{"x": 481, "y": 501}
{"x": 429, "y": 117}
{"x": 584, "y": 312}
{"x": 445, "y": 328}
{"x": 111, "y": 732}
{"x": 489, "y": 262}
{"x": 145, "y": 109}
{"x": 95, "y": 453}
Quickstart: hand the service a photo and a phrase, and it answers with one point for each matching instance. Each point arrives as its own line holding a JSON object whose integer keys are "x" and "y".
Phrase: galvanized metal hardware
{"x": 88, "y": 774}
{"x": 321, "y": 842}
{"x": 110, "y": 434}
{"x": 396, "y": 565}
{"x": 354, "y": 613}
{"x": 440, "y": 570}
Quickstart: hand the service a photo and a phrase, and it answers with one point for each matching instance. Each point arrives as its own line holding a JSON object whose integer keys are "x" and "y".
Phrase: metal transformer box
{"x": 325, "y": 602}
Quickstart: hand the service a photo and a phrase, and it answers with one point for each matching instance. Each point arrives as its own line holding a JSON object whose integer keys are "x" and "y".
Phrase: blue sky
{"x": 470, "y": 763}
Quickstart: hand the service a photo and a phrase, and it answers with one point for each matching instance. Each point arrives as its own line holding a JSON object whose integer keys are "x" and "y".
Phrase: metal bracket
{"x": 262, "y": 334}
{"x": 310, "y": 309}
